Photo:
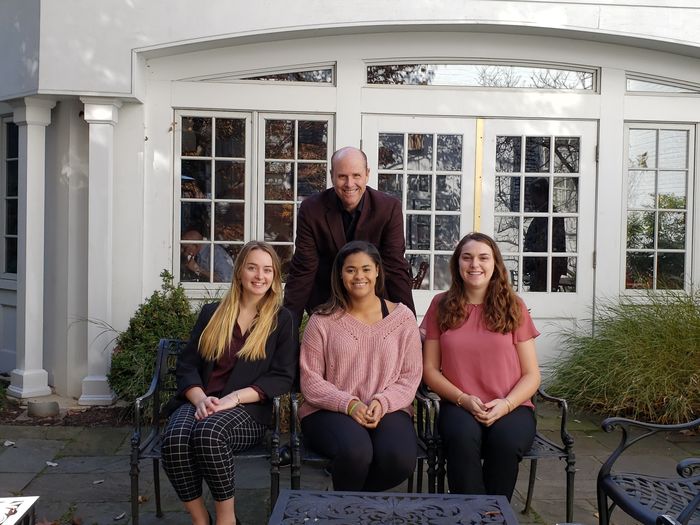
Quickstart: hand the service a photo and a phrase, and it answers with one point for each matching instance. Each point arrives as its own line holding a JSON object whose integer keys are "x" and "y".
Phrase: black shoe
{"x": 211, "y": 520}
{"x": 238, "y": 522}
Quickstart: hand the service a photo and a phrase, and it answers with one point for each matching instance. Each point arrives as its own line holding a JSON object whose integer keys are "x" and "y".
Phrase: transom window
{"x": 424, "y": 171}
{"x": 231, "y": 193}
{"x": 9, "y": 155}
{"x": 658, "y": 185}
{"x": 483, "y": 75}
{"x": 663, "y": 86}
{"x": 536, "y": 210}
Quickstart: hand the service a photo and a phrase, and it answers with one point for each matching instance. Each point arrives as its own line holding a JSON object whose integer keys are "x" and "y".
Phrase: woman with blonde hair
{"x": 479, "y": 357}
{"x": 240, "y": 355}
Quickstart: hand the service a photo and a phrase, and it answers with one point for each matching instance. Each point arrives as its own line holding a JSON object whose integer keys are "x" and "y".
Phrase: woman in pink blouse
{"x": 360, "y": 367}
{"x": 479, "y": 357}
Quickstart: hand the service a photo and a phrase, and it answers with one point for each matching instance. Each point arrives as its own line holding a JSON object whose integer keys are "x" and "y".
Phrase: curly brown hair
{"x": 501, "y": 304}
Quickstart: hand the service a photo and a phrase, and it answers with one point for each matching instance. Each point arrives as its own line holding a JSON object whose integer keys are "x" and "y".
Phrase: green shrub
{"x": 642, "y": 361}
{"x": 166, "y": 313}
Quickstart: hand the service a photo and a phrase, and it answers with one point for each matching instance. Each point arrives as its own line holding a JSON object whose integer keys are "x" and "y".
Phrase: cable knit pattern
{"x": 344, "y": 359}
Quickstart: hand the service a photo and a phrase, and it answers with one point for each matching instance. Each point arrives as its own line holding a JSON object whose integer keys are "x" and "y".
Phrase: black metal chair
{"x": 424, "y": 421}
{"x": 649, "y": 499}
{"x": 148, "y": 422}
{"x": 542, "y": 448}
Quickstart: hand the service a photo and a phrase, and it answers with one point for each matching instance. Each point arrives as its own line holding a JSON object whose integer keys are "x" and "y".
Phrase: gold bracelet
{"x": 458, "y": 402}
{"x": 352, "y": 408}
{"x": 509, "y": 403}
{"x": 238, "y": 399}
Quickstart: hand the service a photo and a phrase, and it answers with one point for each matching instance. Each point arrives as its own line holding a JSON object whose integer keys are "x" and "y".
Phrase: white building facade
{"x": 137, "y": 131}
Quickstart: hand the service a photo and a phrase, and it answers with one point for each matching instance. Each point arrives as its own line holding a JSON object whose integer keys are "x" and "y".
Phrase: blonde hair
{"x": 216, "y": 337}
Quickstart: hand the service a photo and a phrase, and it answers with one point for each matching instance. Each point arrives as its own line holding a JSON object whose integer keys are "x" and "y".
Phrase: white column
{"x": 29, "y": 379}
{"x": 102, "y": 115}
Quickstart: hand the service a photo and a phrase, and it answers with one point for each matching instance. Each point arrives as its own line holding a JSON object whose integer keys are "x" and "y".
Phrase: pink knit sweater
{"x": 344, "y": 359}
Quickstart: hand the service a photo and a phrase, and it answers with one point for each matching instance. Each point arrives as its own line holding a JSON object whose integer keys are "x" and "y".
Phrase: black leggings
{"x": 362, "y": 458}
{"x": 501, "y": 446}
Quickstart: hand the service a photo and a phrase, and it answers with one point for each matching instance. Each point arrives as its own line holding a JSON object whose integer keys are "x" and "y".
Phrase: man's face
{"x": 350, "y": 176}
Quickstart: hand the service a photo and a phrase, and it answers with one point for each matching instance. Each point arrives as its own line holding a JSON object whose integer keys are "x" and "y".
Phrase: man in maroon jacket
{"x": 347, "y": 211}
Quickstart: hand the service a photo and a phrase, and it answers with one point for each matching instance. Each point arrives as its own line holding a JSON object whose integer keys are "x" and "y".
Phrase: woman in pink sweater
{"x": 360, "y": 368}
{"x": 479, "y": 357}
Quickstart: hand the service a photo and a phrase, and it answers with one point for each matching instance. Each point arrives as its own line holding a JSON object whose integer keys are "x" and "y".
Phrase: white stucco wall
{"x": 86, "y": 46}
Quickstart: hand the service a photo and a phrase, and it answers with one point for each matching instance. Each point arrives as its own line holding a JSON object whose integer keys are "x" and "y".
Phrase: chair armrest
{"x": 425, "y": 416}
{"x": 627, "y": 440}
{"x": 566, "y": 438}
{"x": 686, "y": 467}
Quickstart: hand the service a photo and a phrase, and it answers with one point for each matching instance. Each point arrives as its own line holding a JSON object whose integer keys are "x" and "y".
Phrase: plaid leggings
{"x": 193, "y": 450}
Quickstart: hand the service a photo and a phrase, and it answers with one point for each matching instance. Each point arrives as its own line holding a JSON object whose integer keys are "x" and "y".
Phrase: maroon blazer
{"x": 320, "y": 235}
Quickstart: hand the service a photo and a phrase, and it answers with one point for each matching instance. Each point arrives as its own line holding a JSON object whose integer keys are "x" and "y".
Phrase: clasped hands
{"x": 367, "y": 416}
{"x": 485, "y": 413}
{"x": 209, "y": 405}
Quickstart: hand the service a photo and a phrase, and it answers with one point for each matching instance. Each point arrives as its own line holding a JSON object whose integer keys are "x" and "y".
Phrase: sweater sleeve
{"x": 400, "y": 394}
{"x": 312, "y": 365}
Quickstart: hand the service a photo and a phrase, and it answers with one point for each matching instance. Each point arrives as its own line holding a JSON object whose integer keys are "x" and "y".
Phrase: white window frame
{"x": 692, "y": 186}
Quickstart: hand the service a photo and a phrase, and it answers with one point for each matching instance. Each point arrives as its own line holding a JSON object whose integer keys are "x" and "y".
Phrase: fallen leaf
{"x": 142, "y": 499}
{"x": 9, "y": 443}
{"x": 51, "y": 464}
{"x": 119, "y": 516}
{"x": 98, "y": 481}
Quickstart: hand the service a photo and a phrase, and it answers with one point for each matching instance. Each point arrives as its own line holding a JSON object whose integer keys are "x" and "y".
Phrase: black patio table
{"x": 315, "y": 507}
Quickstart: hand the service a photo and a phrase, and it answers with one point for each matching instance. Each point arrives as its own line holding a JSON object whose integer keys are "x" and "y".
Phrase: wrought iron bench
{"x": 542, "y": 448}
{"x": 649, "y": 499}
{"x": 148, "y": 422}
{"x": 300, "y": 454}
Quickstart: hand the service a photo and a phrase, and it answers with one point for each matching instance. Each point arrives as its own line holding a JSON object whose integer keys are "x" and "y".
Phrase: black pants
{"x": 501, "y": 447}
{"x": 361, "y": 458}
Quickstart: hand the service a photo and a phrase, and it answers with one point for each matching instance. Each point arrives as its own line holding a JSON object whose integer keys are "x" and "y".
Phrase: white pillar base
{"x": 96, "y": 392}
{"x": 29, "y": 383}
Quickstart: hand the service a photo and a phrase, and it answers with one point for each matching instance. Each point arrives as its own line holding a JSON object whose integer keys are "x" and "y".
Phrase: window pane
{"x": 673, "y": 149}
{"x": 670, "y": 271}
{"x": 279, "y": 222}
{"x": 11, "y": 255}
{"x": 230, "y": 137}
{"x": 508, "y": 151}
{"x": 11, "y": 216}
{"x": 672, "y": 190}
{"x": 443, "y": 279}
{"x": 657, "y": 87}
{"x": 563, "y": 274}
{"x": 230, "y": 179}
{"x": 507, "y": 233}
{"x": 507, "y": 194}
{"x": 641, "y": 190}
{"x": 642, "y": 148}
{"x": 390, "y": 152}
{"x": 419, "y": 192}
{"x": 570, "y": 232}
{"x": 319, "y": 76}
{"x": 480, "y": 75}
{"x": 449, "y": 152}
{"x": 640, "y": 229}
{"x": 195, "y": 179}
{"x": 640, "y": 270}
{"x": 446, "y": 232}
{"x": 448, "y": 194}
{"x": 566, "y": 155}
{"x": 565, "y": 195}
{"x": 311, "y": 179}
{"x": 391, "y": 184}
{"x": 536, "y": 194}
{"x": 195, "y": 216}
{"x": 279, "y": 181}
{"x": 415, "y": 260}
{"x": 228, "y": 221}
{"x": 196, "y": 137}
{"x": 418, "y": 232}
{"x": 420, "y": 152}
{"x": 537, "y": 154}
{"x": 560, "y": 233}
{"x": 313, "y": 139}
{"x": 12, "y": 140}
{"x": 11, "y": 178}
{"x": 511, "y": 264}
{"x": 285, "y": 253}
{"x": 535, "y": 274}
{"x": 671, "y": 230}
{"x": 279, "y": 139}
